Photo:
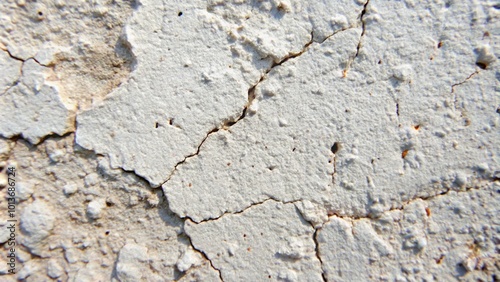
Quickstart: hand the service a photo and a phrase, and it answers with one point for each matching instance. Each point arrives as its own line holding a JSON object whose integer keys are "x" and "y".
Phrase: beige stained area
{"x": 79, "y": 40}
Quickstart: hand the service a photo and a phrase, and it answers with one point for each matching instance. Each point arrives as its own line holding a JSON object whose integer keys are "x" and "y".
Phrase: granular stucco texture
{"x": 265, "y": 140}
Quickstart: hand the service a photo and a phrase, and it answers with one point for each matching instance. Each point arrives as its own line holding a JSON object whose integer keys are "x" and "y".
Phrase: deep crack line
{"x": 363, "y": 29}
{"x": 316, "y": 243}
{"x": 23, "y": 60}
{"x": 318, "y": 256}
{"x": 204, "y": 255}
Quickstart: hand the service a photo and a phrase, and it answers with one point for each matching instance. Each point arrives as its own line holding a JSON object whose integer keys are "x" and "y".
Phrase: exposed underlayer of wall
{"x": 263, "y": 140}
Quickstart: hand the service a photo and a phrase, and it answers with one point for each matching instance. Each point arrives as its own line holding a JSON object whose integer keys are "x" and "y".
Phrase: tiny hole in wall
{"x": 481, "y": 65}
{"x": 179, "y": 14}
{"x": 157, "y": 124}
{"x": 335, "y": 147}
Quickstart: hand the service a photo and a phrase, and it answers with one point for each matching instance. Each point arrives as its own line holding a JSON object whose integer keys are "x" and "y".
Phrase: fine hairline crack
{"x": 252, "y": 205}
{"x": 455, "y": 98}
{"x": 464, "y": 81}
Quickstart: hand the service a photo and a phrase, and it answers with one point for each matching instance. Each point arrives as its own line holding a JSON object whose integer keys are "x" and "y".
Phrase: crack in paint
{"x": 463, "y": 81}
{"x": 203, "y": 254}
{"x": 13, "y": 84}
{"x": 52, "y": 135}
{"x": 23, "y": 60}
{"x": 18, "y": 80}
{"x": 358, "y": 47}
{"x": 455, "y": 98}
{"x": 406, "y": 203}
{"x": 318, "y": 255}
{"x": 316, "y": 245}
{"x": 244, "y": 209}
{"x": 251, "y": 97}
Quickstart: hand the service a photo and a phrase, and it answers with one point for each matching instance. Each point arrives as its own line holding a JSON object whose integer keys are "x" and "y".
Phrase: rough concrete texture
{"x": 264, "y": 140}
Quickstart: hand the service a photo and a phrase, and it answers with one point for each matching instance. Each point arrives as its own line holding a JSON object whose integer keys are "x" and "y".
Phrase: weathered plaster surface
{"x": 350, "y": 140}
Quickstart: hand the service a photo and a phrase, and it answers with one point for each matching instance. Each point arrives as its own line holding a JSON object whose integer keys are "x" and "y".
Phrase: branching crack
{"x": 225, "y": 125}
{"x": 358, "y": 47}
{"x": 18, "y": 80}
{"x": 316, "y": 245}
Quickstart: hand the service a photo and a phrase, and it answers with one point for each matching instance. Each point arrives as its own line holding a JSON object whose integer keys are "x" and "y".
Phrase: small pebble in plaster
{"x": 70, "y": 189}
{"x": 95, "y": 208}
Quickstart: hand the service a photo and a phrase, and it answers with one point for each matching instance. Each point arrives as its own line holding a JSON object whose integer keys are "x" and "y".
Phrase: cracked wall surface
{"x": 260, "y": 140}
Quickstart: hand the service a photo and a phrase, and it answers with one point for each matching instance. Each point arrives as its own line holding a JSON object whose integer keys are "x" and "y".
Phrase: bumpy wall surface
{"x": 259, "y": 140}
